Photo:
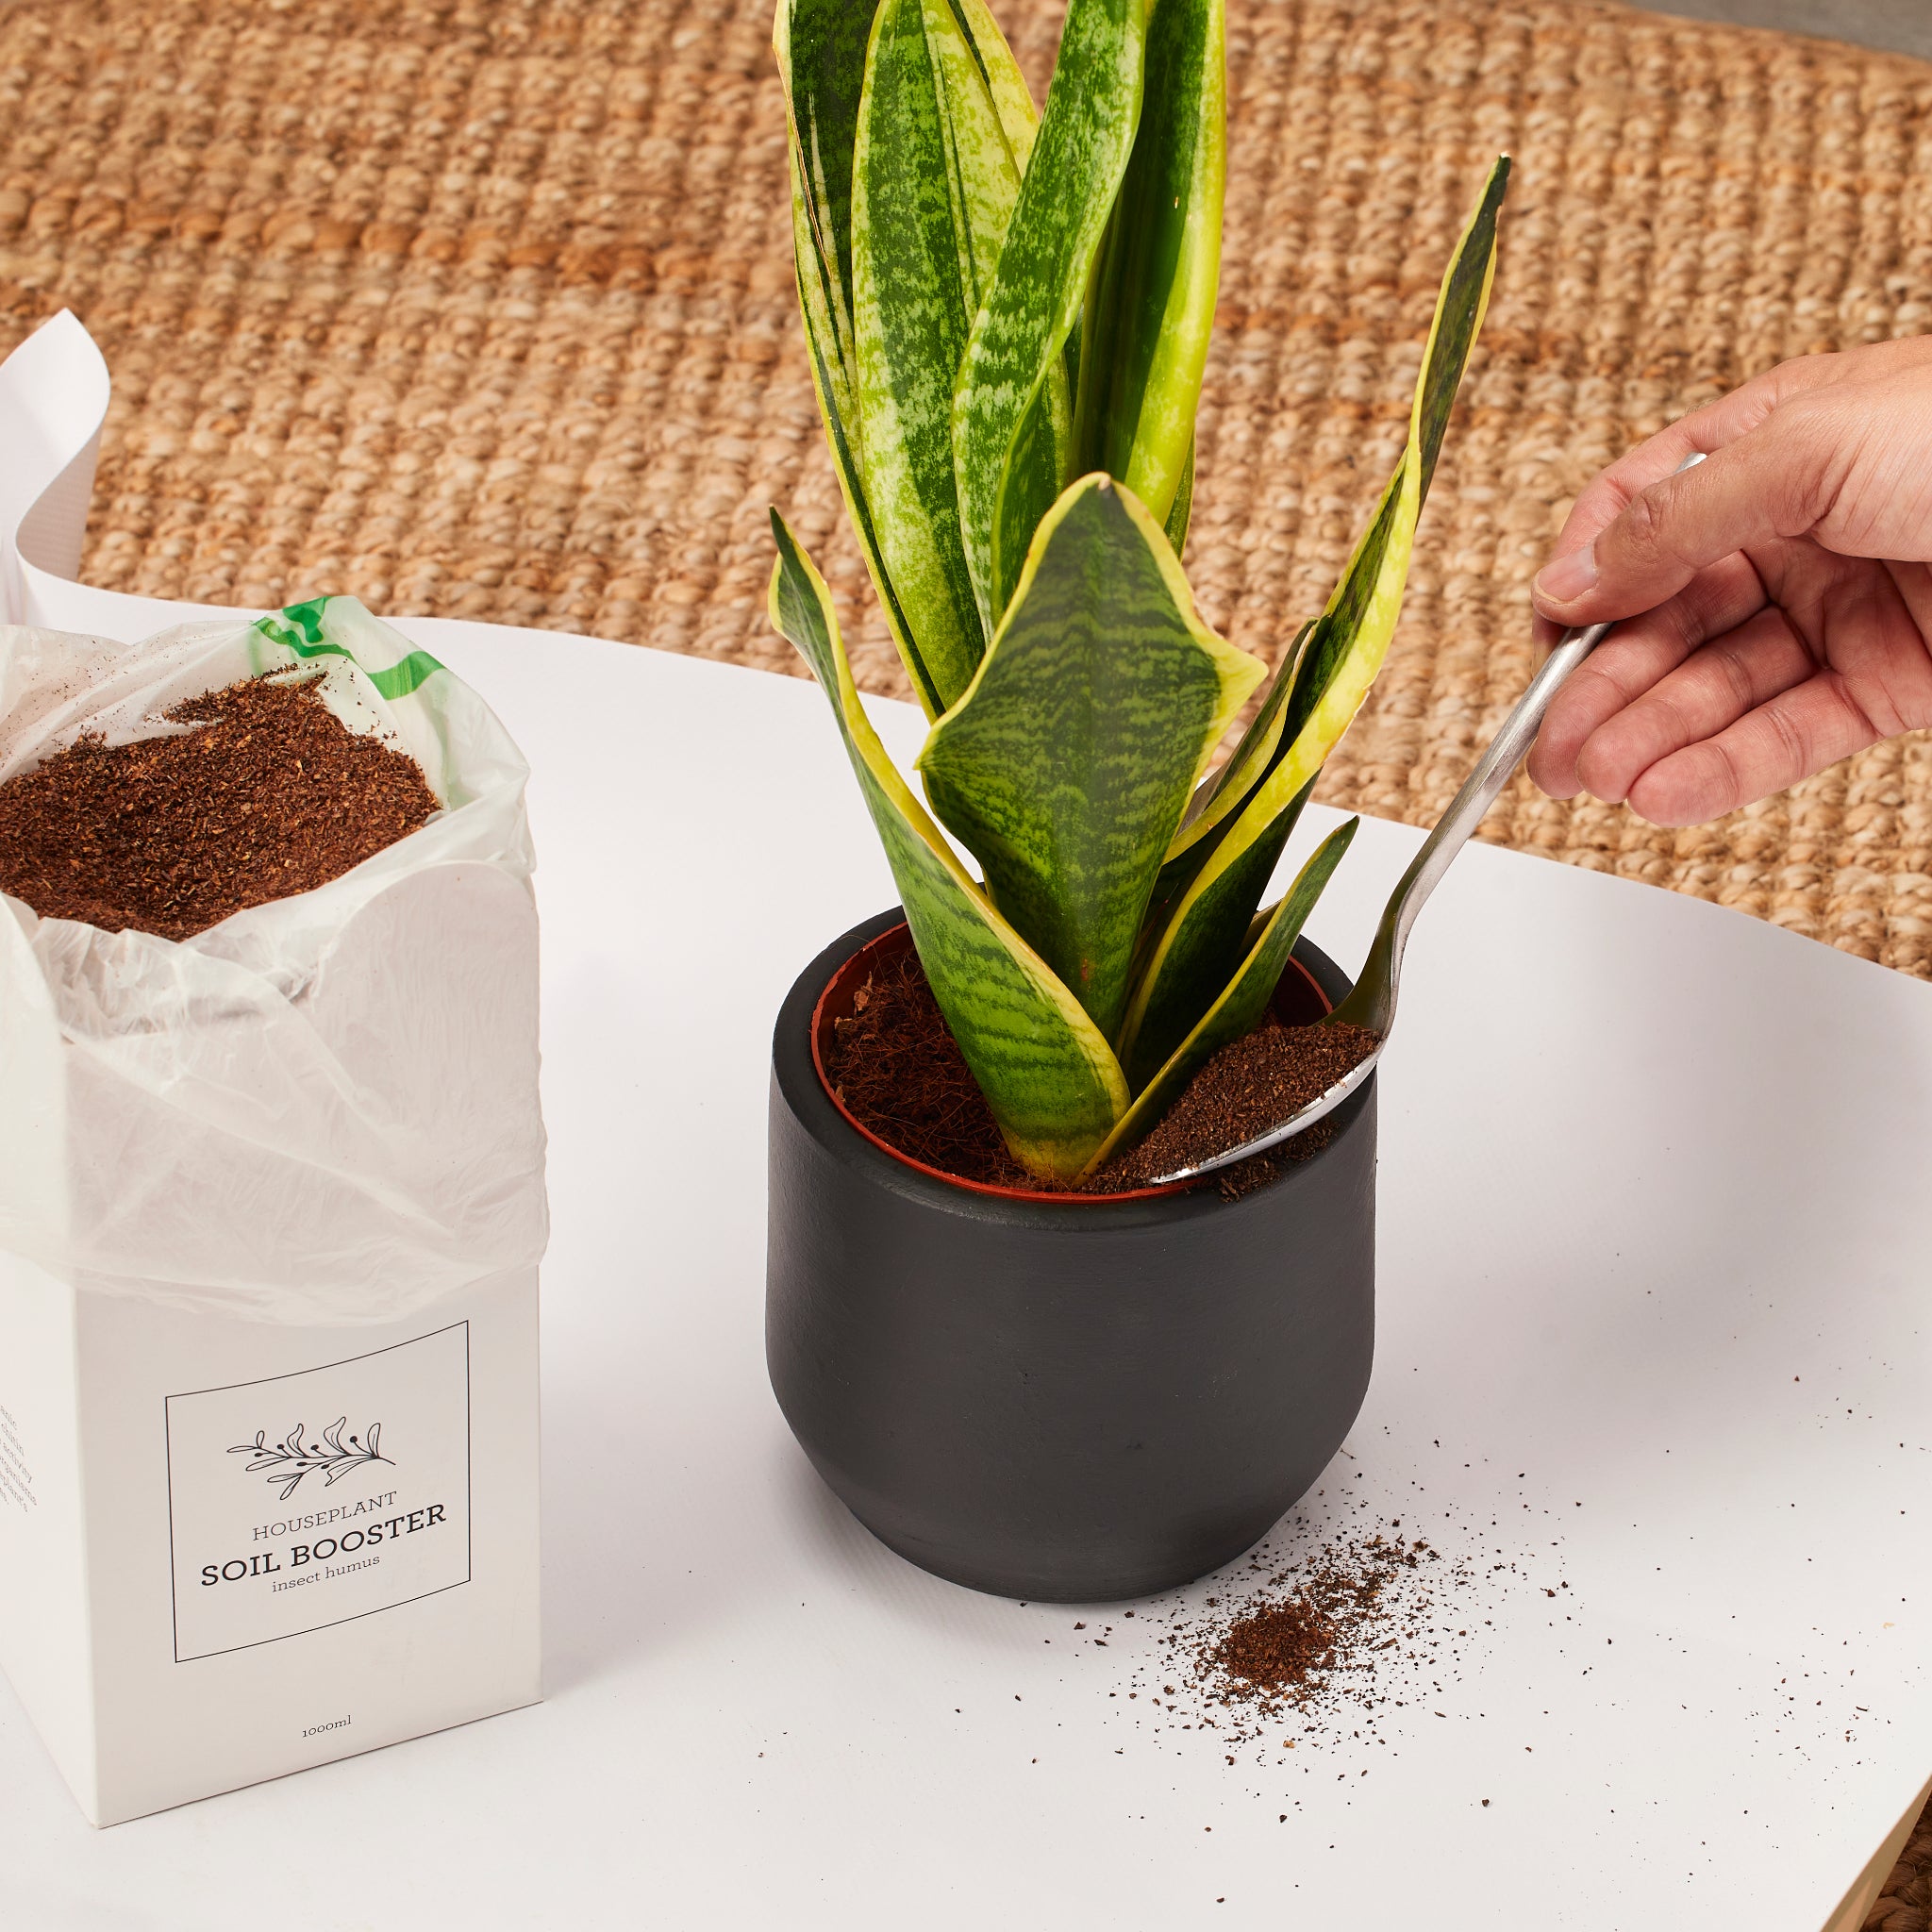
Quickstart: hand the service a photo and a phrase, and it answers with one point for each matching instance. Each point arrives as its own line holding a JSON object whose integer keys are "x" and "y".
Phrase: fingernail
{"x": 1568, "y": 578}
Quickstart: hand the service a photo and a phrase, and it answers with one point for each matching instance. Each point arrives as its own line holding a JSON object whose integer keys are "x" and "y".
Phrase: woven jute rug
{"x": 484, "y": 306}
{"x": 1906, "y": 1904}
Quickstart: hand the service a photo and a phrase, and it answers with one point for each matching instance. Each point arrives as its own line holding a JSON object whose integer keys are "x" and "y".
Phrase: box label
{"x": 309, "y": 1500}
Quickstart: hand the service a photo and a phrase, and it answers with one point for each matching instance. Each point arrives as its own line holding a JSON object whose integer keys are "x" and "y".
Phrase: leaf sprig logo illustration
{"x": 287, "y": 1462}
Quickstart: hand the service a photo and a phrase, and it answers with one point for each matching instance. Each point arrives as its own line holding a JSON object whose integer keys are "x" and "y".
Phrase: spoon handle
{"x": 1373, "y": 1002}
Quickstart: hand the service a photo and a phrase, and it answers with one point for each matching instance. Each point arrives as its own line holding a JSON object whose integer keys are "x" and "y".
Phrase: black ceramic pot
{"x": 1060, "y": 1399}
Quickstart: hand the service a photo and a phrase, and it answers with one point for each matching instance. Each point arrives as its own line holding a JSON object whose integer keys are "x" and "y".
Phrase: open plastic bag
{"x": 324, "y": 1109}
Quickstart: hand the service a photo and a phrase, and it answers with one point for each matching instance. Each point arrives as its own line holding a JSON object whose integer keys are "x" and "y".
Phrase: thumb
{"x": 1763, "y": 487}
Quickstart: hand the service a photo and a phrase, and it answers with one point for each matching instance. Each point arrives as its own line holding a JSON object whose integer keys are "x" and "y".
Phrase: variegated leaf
{"x": 845, "y": 462}
{"x": 1003, "y": 80}
{"x": 1211, "y": 812}
{"x": 1008, "y": 451}
{"x": 1201, "y": 939}
{"x": 1251, "y": 760}
{"x": 1243, "y": 1003}
{"x": 1176, "y": 523}
{"x": 820, "y": 47}
{"x": 1050, "y": 1078}
{"x": 1150, "y": 308}
{"x": 944, "y": 131}
{"x": 1066, "y": 766}
{"x": 934, "y": 182}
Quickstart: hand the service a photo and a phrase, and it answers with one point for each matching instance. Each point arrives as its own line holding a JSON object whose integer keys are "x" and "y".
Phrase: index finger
{"x": 1703, "y": 432}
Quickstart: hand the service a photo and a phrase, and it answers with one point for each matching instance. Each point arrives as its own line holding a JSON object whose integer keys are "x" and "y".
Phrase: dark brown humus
{"x": 895, "y": 1067}
{"x": 1278, "y": 1647}
{"x": 270, "y": 796}
{"x": 1251, "y": 1085}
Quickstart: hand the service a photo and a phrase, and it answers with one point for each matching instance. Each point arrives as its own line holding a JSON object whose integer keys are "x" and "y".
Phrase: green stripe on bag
{"x": 299, "y": 629}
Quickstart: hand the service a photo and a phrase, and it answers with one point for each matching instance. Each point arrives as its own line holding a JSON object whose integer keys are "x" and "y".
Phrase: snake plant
{"x": 1008, "y": 318}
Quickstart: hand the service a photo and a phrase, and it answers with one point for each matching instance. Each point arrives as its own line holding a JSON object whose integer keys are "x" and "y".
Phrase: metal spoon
{"x": 1372, "y": 1004}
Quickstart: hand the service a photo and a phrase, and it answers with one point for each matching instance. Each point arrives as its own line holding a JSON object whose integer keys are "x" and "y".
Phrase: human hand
{"x": 1780, "y": 592}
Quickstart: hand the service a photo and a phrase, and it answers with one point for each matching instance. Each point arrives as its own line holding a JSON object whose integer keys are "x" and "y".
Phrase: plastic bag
{"x": 324, "y": 1109}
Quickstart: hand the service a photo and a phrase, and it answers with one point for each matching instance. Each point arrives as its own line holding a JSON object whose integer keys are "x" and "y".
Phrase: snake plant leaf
{"x": 1209, "y": 814}
{"x": 1251, "y": 760}
{"x": 1199, "y": 943}
{"x": 1243, "y": 1003}
{"x": 934, "y": 181}
{"x": 1019, "y": 118}
{"x": 820, "y": 46}
{"x": 1036, "y": 471}
{"x": 1176, "y": 521}
{"x": 1193, "y": 957}
{"x": 1352, "y": 637}
{"x": 1007, "y": 465}
{"x": 1150, "y": 307}
{"x": 845, "y": 463}
{"x": 1066, "y": 766}
{"x": 1050, "y": 1078}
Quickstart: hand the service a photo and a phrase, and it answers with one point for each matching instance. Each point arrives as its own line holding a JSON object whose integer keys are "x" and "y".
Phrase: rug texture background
{"x": 484, "y": 308}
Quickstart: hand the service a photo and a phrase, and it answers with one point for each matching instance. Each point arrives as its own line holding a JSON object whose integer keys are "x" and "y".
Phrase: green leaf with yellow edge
{"x": 934, "y": 181}
{"x": 1066, "y": 766}
{"x": 1052, "y": 1081}
{"x": 845, "y": 462}
{"x": 1037, "y": 470}
{"x": 1251, "y": 760}
{"x": 1198, "y": 945}
{"x": 1243, "y": 1003}
{"x": 1010, "y": 436}
{"x": 1202, "y": 951}
{"x": 1209, "y": 814}
{"x": 1150, "y": 306}
{"x": 1175, "y": 522}
{"x": 820, "y": 47}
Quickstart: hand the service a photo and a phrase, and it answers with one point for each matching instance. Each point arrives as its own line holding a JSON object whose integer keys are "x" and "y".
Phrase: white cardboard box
{"x": 272, "y": 1202}
{"x": 179, "y": 1620}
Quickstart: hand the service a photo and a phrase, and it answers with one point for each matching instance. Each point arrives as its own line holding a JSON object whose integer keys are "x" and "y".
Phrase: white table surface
{"x": 1653, "y": 1233}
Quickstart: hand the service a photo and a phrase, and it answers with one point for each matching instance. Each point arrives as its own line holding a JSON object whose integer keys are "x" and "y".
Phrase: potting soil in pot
{"x": 896, "y": 1069}
{"x": 1250, "y": 1086}
{"x": 268, "y": 793}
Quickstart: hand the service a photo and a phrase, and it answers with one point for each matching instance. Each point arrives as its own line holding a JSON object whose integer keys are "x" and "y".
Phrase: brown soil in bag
{"x": 271, "y": 795}
{"x": 896, "y": 1068}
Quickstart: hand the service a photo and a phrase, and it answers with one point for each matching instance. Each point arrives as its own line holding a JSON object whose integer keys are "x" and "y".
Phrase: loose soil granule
{"x": 270, "y": 796}
{"x": 895, "y": 1067}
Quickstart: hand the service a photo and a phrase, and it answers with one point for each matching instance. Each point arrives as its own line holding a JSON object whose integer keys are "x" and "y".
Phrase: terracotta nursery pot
{"x": 1072, "y": 1399}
